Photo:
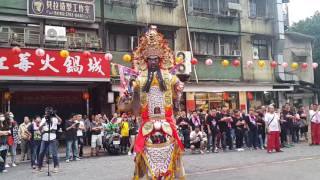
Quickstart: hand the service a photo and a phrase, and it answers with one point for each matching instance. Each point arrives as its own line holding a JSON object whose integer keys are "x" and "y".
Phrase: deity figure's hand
{"x": 179, "y": 87}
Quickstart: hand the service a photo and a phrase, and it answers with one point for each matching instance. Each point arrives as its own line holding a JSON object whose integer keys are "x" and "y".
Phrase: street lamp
{"x": 86, "y": 97}
{"x": 7, "y": 98}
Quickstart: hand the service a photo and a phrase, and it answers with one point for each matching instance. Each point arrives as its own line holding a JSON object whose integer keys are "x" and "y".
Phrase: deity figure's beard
{"x": 151, "y": 72}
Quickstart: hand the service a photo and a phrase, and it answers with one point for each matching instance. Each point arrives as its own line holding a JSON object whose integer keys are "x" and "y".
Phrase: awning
{"x": 215, "y": 31}
{"x": 236, "y": 88}
{"x": 300, "y": 53}
{"x": 230, "y": 87}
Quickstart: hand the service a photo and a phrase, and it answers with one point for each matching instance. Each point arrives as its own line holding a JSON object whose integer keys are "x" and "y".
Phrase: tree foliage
{"x": 311, "y": 26}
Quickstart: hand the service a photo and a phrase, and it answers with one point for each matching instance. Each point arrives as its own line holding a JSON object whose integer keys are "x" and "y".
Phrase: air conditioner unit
{"x": 234, "y": 6}
{"x": 55, "y": 33}
{"x": 185, "y": 67}
{"x": 236, "y": 53}
{"x": 255, "y": 52}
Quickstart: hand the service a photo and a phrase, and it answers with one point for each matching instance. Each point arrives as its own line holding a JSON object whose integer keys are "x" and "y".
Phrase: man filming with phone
{"x": 48, "y": 127}
{"x": 72, "y": 126}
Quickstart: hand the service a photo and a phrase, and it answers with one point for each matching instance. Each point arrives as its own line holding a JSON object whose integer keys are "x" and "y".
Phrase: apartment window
{"x": 205, "y": 44}
{"x": 212, "y": 7}
{"x": 260, "y": 49}
{"x": 229, "y": 46}
{"x": 122, "y": 38}
{"x": 215, "y": 45}
{"x": 205, "y": 6}
{"x": 165, "y": 3}
{"x": 169, "y": 36}
{"x": 129, "y": 3}
{"x": 258, "y": 8}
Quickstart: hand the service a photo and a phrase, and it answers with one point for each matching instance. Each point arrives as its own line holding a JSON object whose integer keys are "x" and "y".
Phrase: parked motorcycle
{"x": 112, "y": 143}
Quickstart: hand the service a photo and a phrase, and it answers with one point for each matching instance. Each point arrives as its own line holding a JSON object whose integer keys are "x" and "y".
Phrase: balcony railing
{"x": 128, "y": 3}
{"x": 33, "y": 40}
{"x": 19, "y": 39}
{"x": 165, "y": 3}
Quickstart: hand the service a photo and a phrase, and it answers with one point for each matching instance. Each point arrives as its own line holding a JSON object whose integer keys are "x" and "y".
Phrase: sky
{"x": 301, "y": 9}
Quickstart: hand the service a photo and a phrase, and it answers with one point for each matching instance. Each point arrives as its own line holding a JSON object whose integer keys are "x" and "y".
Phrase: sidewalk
{"x": 62, "y": 154}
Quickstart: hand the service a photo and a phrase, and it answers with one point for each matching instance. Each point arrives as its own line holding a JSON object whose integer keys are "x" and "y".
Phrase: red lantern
{"x": 7, "y": 96}
{"x": 86, "y": 54}
{"x": 194, "y": 61}
{"x": 250, "y": 96}
{"x": 225, "y": 96}
{"x": 273, "y": 64}
{"x": 236, "y": 63}
{"x": 16, "y": 50}
{"x": 72, "y": 30}
{"x": 304, "y": 65}
{"x": 86, "y": 96}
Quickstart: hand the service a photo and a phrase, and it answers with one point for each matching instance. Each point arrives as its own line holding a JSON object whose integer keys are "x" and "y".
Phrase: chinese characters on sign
{"x": 53, "y": 65}
{"x": 64, "y": 9}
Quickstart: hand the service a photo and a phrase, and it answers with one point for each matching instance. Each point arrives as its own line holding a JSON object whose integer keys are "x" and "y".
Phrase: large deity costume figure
{"x": 155, "y": 94}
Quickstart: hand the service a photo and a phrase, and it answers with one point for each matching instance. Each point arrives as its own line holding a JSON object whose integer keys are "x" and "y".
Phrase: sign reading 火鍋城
{"x": 74, "y": 10}
{"x": 27, "y": 66}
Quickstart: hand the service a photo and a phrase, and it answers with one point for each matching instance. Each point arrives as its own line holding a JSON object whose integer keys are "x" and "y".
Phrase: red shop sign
{"x": 27, "y": 66}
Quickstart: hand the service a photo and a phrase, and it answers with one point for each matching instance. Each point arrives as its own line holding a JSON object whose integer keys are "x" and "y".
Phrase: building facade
{"x": 250, "y": 31}
{"x": 28, "y": 82}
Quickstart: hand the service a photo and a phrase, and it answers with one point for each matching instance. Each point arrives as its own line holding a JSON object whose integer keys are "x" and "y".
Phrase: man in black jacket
{"x": 251, "y": 120}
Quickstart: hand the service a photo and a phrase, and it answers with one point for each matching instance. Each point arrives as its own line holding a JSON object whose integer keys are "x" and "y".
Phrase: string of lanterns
{"x": 65, "y": 53}
{"x": 194, "y": 61}
{"x": 262, "y": 64}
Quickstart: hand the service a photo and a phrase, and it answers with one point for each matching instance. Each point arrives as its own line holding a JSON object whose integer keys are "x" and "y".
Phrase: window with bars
{"x": 169, "y": 36}
{"x": 261, "y": 48}
{"x": 212, "y": 7}
{"x": 130, "y": 3}
{"x": 165, "y": 3}
{"x": 215, "y": 45}
{"x": 257, "y": 8}
{"x": 205, "y": 44}
{"x": 122, "y": 38}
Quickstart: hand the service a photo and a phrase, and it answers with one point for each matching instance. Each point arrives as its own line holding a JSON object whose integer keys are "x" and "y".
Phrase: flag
{"x": 126, "y": 74}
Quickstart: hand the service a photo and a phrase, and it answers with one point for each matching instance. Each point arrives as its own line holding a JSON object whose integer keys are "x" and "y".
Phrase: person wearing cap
{"x": 272, "y": 121}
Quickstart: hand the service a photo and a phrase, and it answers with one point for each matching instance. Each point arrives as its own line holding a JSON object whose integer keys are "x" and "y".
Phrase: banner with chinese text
{"x": 62, "y": 9}
{"x": 28, "y": 66}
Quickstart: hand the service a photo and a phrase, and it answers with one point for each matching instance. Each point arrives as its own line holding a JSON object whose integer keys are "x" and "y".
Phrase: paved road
{"x": 300, "y": 162}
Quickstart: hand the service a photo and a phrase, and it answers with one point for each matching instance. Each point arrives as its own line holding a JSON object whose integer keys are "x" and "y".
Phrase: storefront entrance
{"x": 33, "y": 103}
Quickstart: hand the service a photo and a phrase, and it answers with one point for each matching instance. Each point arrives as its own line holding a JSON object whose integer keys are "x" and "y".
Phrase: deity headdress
{"x": 152, "y": 43}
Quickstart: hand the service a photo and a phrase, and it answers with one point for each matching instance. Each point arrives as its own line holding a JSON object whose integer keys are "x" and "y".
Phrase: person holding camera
{"x": 35, "y": 141}
{"x": 25, "y": 137}
{"x": 4, "y": 133}
{"x": 96, "y": 135}
{"x": 72, "y": 126}
{"x": 48, "y": 127}
{"x": 198, "y": 139}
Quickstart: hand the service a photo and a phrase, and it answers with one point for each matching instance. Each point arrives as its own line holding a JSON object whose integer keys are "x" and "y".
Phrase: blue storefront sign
{"x": 74, "y": 10}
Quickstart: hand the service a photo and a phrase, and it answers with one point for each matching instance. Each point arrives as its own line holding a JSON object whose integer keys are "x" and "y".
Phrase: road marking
{"x": 253, "y": 165}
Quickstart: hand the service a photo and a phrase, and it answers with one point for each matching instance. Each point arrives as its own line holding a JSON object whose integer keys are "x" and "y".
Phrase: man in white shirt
{"x": 198, "y": 139}
{"x": 49, "y": 137}
{"x": 315, "y": 125}
{"x": 272, "y": 121}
